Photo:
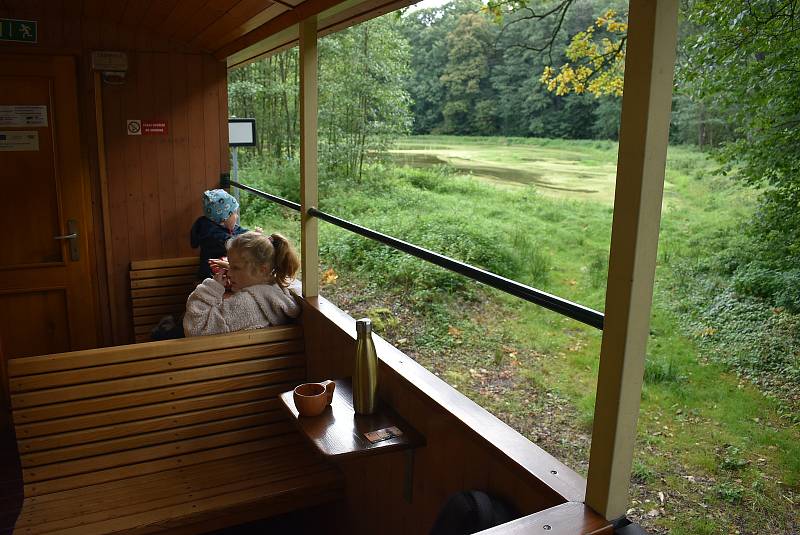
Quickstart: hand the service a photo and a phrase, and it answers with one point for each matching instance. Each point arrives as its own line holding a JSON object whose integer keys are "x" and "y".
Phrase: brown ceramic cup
{"x": 312, "y": 398}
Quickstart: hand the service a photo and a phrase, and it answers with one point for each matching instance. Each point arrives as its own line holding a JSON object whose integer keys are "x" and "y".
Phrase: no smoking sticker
{"x": 134, "y": 127}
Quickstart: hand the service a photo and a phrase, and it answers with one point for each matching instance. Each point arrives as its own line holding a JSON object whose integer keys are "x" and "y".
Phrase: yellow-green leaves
{"x": 597, "y": 60}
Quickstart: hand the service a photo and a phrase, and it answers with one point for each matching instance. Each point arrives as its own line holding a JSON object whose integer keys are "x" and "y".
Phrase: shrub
{"x": 745, "y": 333}
{"x": 450, "y": 237}
{"x": 756, "y": 280}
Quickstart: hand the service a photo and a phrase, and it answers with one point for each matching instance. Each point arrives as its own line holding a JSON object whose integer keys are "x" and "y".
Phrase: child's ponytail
{"x": 285, "y": 261}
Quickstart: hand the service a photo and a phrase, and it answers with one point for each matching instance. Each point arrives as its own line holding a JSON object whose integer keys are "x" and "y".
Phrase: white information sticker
{"x": 23, "y": 115}
{"x": 19, "y": 140}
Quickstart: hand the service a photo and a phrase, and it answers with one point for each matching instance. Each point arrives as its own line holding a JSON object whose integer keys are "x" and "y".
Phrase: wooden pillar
{"x": 309, "y": 246}
{"x": 643, "y": 141}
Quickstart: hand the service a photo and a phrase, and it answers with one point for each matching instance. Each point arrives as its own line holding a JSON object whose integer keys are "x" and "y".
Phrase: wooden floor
{"x": 10, "y": 483}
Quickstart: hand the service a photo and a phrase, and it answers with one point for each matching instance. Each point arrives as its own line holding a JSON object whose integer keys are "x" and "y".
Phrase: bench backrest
{"x": 158, "y": 288}
{"x": 87, "y": 417}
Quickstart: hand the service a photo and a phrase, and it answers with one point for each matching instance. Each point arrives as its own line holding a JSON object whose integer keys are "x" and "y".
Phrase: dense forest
{"x": 457, "y": 69}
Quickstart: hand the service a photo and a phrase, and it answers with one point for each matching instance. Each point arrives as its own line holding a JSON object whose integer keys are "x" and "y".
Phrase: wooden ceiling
{"x": 236, "y": 31}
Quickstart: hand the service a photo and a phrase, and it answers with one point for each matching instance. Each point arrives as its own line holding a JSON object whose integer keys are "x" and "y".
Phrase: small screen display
{"x": 241, "y": 132}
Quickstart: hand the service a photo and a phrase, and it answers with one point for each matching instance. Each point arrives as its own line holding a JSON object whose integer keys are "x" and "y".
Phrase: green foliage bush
{"x": 282, "y": 179}
{"x": 468, "y": 243}
{"x": 731, "y": 459}
{"x": 745, "y": 333}
{"x": 760, "y": 100}
{"x": 529, "y": 254}
{"x": 730, "y": 492}
{"x": 779, "y": 287}
{"x": 598, "y": 271}
{"x": 762, "y": 258}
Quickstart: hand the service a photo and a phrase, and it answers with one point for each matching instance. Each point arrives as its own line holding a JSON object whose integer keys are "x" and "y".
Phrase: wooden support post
{"x": 643, "y": 141}
{"x": 309, "y": 247}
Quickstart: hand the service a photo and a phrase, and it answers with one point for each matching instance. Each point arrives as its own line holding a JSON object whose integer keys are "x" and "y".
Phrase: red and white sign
{"x": 154, "y": 128}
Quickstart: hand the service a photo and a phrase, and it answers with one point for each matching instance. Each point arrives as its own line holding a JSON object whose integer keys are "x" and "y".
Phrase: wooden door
{"x": 47, "y": 288}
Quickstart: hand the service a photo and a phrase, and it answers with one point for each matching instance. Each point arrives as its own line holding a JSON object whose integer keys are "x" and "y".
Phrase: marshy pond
{"x": 556, "y": 171}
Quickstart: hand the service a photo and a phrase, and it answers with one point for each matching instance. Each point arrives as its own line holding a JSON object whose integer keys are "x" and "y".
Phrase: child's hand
{"x": 219, "y": 270}
{"x": 218, "y": 264}
{"x": 221, "y": 277}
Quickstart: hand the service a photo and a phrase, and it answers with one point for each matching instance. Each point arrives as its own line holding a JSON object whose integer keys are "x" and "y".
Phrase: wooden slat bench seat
{"x": 158, "y": 288}
{"x": 182, "y": 434}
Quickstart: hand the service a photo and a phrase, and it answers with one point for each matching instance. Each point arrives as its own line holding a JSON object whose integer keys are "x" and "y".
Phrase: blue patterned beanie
{"x": 218, "y": 205}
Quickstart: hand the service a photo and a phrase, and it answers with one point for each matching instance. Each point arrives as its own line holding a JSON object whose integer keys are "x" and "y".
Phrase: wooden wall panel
{"x": 148, "y": 146}
{"x": 162, "y": 177}
{"x": 165, "y": 165}
{"x": 154, "y": 182}
{"x": 189, "y": 208}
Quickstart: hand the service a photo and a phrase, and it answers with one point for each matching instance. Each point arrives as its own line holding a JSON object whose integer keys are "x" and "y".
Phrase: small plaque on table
{"x": 383, "y": 434}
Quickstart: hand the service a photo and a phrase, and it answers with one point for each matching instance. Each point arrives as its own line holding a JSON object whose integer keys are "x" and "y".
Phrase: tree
{"x": 469, "y": 108}
{"x": 267, "y": 90}
{"x": 747, "y": 59}
{"x": 426, "y": 31}
{"x": 363, "y": 104}
{"x": 471, "y": 76}
{"x": 524, "y": 104}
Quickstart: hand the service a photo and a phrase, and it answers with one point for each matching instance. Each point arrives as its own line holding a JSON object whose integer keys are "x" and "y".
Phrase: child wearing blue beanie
{"x": 218, "y": 224}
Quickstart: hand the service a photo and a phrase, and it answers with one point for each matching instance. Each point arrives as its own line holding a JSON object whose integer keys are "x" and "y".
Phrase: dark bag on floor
{"x": 472, "y": 511}
{"x": 169, "y": 328}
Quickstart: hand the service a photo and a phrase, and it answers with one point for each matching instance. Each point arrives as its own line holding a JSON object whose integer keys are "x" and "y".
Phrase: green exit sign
{"x": 22, "y": 31}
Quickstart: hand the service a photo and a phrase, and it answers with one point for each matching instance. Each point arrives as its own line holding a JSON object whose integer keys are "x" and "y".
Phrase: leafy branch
{"x": 598, "y": 60}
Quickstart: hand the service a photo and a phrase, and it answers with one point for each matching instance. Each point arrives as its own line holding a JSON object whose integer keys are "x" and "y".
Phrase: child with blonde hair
{"x": 260, "y": 269}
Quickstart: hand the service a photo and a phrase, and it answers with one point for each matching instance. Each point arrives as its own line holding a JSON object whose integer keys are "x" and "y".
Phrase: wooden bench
{"x": 165, "y": 435}
{"x": 159, "y": 288}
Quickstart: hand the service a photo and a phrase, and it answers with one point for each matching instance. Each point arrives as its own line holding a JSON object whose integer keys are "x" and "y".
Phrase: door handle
{"x": 72, "y": 228}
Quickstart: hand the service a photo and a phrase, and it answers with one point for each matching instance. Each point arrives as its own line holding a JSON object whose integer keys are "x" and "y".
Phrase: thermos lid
{"x": 363, "y": 326}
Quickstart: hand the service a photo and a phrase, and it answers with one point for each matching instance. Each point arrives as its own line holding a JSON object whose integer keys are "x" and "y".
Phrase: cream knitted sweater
{"x": 254, "y": 307}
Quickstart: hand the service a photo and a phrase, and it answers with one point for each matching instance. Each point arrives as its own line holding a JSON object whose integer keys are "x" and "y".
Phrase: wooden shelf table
{"x": 339, "y": 433}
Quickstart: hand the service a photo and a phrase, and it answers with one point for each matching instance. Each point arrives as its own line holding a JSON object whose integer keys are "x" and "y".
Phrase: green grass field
{"x": 714, "y": 455}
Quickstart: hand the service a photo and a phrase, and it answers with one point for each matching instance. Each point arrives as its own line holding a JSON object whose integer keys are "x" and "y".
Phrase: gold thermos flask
{"x": 365, "y": 373}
